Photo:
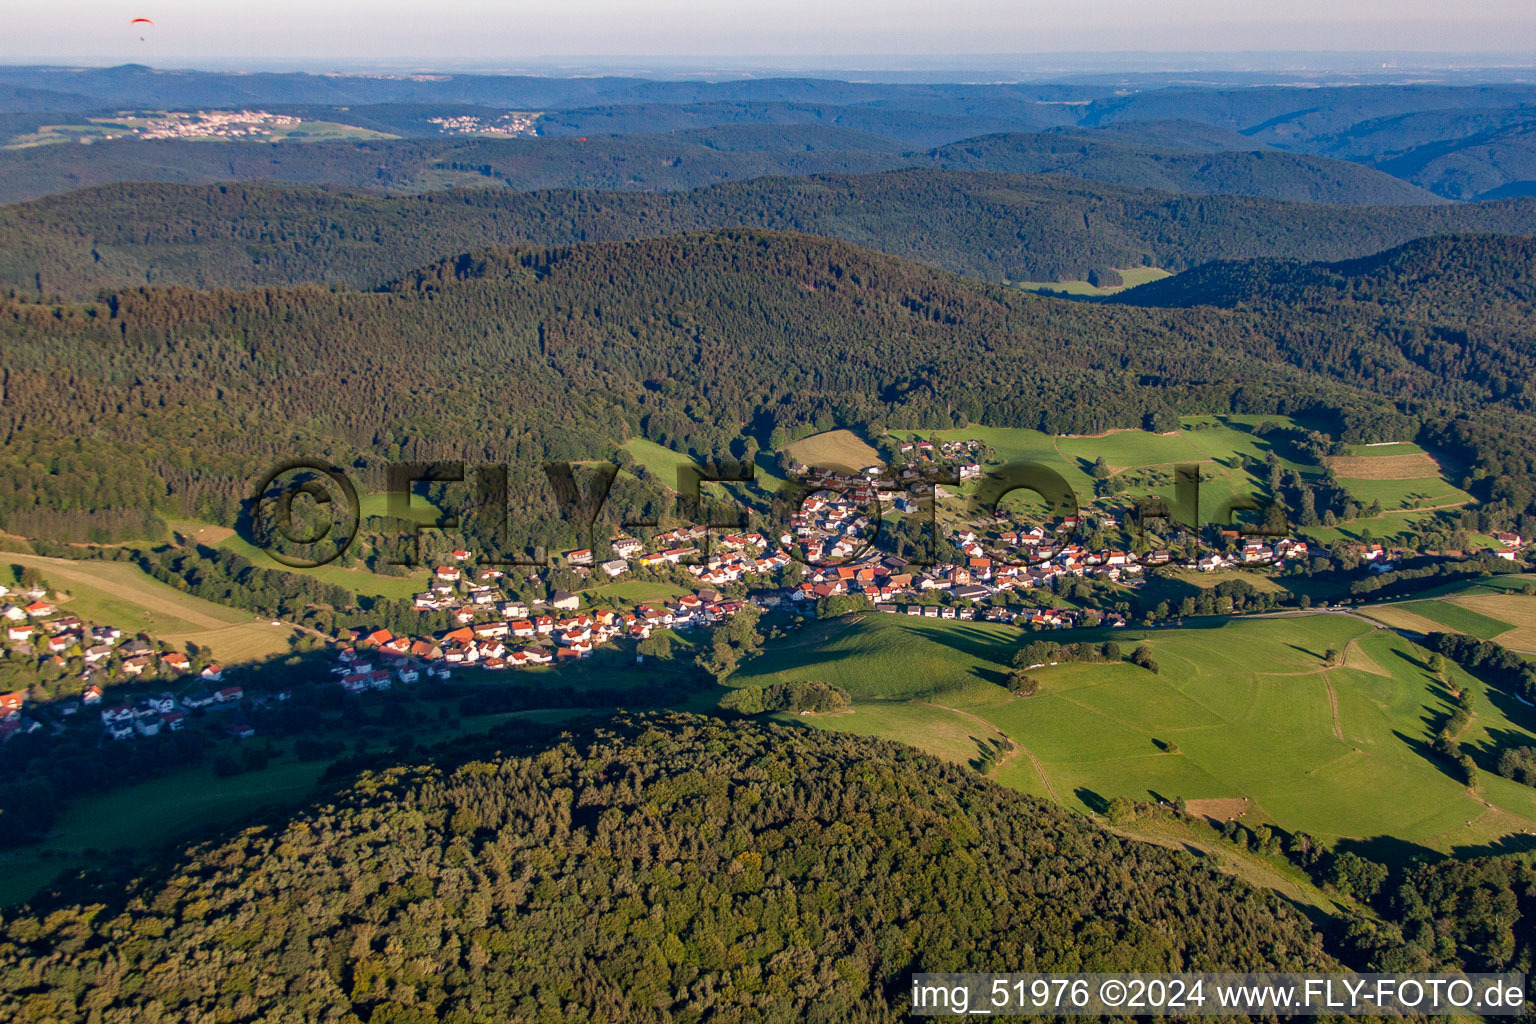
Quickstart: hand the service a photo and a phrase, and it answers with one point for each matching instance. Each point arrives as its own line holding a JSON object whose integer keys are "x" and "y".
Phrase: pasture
{"x": 149, "y": 815}
{"x": 356, "y": 578}
{"x": 1458, "y": 618}
{"x": 888, "y": 656}
{"x": 1517, "y": 612}
{"x": 1492, "y": 608}
{"x": 662, "y": 462}
{"x": 1143, "y": 462}
{"x": 1400, "y": 476}
{"x": 1244, "y": 709}
{"x": 1384, "y": 449}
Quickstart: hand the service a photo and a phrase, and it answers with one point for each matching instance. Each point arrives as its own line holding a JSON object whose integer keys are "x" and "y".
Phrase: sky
{"x": 460, "y": 31}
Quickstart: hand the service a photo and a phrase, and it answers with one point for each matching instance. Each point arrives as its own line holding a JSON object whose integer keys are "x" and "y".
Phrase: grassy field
{"x": 1384, "y": 449}
{"x": 148, "y": 816}
{"x": 1131, "y": 276}
{"x": 1144, "y": 461}
{"x": 1208, "y": 580}
{"x": 663, "y": 463}
{"x": 122, "y": 595}
{"x": 930, "y": 727}
{"x": 1489, "y": 609}
{"x": 1516, "y": 612}
{"x": 1249, "y": 706}
{"x": 356, "y": 579}
{"x": 1413, "y": 493}
{"x": 888, "y": 656}
{"x": 1459, "y": 618}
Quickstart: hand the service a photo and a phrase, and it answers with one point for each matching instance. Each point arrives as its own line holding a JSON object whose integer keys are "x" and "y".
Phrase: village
{"x": 204, "y": 124}
{"x": 829, "y": 550}
{"x": 825, "y": 552}
{"x": 506, "y": 125}
{"x": 104, "y": 659}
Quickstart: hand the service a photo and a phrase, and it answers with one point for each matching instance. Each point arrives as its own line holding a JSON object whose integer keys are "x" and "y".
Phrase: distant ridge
{"x": 990, "y": 226}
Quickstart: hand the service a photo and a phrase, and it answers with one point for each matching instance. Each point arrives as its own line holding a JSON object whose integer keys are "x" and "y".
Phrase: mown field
{"x": 122, "y": 595}
{"x": 1494, "y": 608}
{"x": 1247, "y": 709}
{"x": 1130, "y": 276}
{"x": 835, "y": 449}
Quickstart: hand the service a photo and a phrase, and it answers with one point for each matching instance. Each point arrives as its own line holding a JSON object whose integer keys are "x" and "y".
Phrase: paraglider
{"x": 140, "y": 21}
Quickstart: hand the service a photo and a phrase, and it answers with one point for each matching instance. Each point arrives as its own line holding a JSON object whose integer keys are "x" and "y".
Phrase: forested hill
{"x": 682, "y": 159}
{"x": 517, "y": 356}
{"x": 665, "y": 868}
{"x": 1295, "y": 177}
{"x": 1484, "y": 279}
{"x": 990, "y": 226}
{"x": 690, "y": 157}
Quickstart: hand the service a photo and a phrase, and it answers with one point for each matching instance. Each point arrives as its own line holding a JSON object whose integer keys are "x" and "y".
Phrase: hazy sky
{"x": 458, "y": 30}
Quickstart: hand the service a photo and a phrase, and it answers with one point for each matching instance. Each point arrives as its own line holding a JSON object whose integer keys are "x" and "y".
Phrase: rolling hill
{"x": 1252, "y": 710}
{"x": 1488, "y": 279}
{"x": 774, "y": 328}
{"x": 1275, "y": 175}
{"x": 660, "y": 868}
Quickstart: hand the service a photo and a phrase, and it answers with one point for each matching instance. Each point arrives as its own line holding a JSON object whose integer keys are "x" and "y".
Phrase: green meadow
{"x": 1385, "y": 449}
{"x": 150, "y": 815}
{"x": 1143, "y": 462}
{"x": 357, "y": 579}
{"x": 1244, "y": 710}
{"x": 663, "y": 462}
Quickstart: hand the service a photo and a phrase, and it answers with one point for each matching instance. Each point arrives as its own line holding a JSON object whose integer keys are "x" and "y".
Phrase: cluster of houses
{"x": 831, "y": 534}
{"x": 165, "y": 711}
{"x": 34, "y": 626}
{"x": 504, "y": 643}
{"x": 213, "y": 124}
{"x": 963, "y": 455}
{"x": 515, "y": 123}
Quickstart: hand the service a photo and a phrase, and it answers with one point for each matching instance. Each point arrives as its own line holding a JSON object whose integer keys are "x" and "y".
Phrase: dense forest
{"x": 1468, "y": 280}
{"x": 664, "y": 868}
{"x": 697, "y": 153}
{"x": 684, "y": 159}
{"x": 169, "y": 399}
{"x": 1296, "y": 177}
{"x": 154, "y": 400}
{"x": 988, "y": 226}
